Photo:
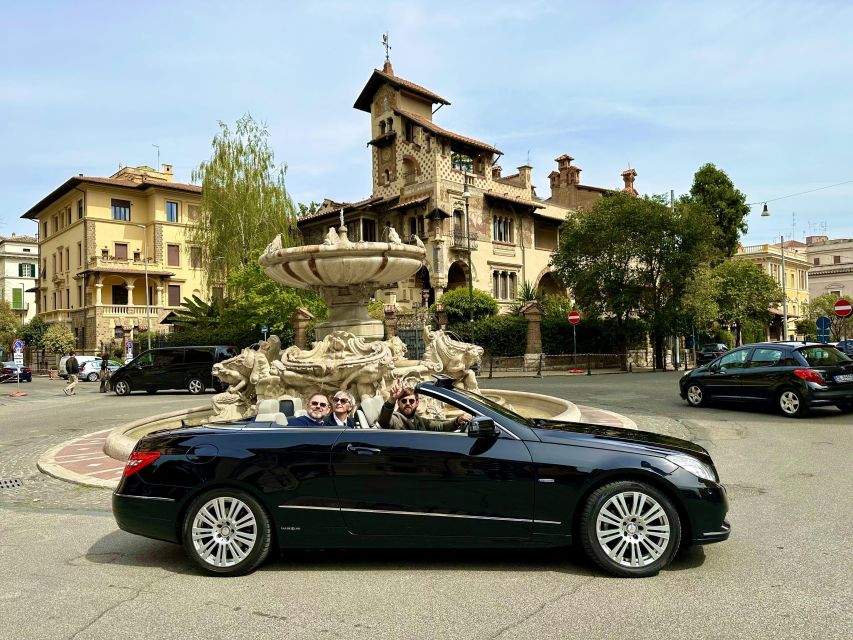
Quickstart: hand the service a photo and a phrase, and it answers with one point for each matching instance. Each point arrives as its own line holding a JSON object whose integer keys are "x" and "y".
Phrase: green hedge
{"x": 501, "y": 336}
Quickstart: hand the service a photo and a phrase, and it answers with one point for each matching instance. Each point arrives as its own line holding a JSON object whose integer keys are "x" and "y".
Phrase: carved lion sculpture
{"x": 454, "y": 358}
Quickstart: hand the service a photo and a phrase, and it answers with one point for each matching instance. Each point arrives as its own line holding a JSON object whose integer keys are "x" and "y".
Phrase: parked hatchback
{"x": 708, "y": 352}
{"x": 11, "y": 372}
{"x": 91, "y": 370}
{"x": 794, "y": 376}
{"x": 187, "y": 368}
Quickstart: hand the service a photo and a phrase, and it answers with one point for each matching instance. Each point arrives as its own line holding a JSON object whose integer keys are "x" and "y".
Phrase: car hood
{"x": 594, "y": 435}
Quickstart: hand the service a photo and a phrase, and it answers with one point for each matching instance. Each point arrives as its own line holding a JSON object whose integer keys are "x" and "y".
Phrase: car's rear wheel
{"x": 122, "y": 388}
{"x": 792, "y": 403}
{"x": 227, "y": 532}
{"x": 695, "y": 395}
{"x": 845, "y": 407}
{"x": 195, "y": 386}
{"x": 92, "y": 377}
{"x": 630, "y": 529}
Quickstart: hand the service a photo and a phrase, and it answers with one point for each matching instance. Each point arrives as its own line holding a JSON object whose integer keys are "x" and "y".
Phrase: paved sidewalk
{"x": 83, "y": 460}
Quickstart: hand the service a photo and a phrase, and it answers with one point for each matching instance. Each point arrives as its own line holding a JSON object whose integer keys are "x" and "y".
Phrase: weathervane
{"x": 387, "y": 46}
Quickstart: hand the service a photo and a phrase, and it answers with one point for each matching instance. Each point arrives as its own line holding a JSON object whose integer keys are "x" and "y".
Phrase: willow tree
{"x": 244, "y": 202}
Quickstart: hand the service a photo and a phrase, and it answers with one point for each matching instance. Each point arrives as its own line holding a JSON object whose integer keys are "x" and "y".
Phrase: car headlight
{"x": 694, "y": 466}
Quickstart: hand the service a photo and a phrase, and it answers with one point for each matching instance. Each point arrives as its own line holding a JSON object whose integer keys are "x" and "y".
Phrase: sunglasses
{"x": 323, "y": 405}
{"x": 340, "y": 400}
{"x": 407, "y": 400}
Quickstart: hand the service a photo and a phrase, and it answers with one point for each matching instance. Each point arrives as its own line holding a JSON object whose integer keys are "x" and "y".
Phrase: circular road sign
{"x": 18, "y": 344}
{"x": 128, "y": 345}
{"x": 843, "y": 308}
{"x": 574, "y": 317}
{"x": 823, "y": 323}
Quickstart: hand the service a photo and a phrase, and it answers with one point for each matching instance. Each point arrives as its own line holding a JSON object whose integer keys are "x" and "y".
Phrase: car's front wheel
{"x": 195, "y": 386}
{"x": 122, "y": 388}
{"x": 92, "y": 377}
{"x": 792, "y": 403}
{"x": 695, "y": 395}
{"x": 227, "y": 532}
{"x": 630, "y": 529}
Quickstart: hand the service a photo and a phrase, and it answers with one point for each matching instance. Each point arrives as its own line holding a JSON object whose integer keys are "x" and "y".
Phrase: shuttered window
{"x": 121, "y": 251}
{"x": 174, "y": 295}
{"x": 173, "y": 255}
{"x": 17, "y": 298}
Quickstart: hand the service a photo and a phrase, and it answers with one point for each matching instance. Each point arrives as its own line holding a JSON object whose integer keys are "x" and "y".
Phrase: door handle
{"x": 363, "y": 451}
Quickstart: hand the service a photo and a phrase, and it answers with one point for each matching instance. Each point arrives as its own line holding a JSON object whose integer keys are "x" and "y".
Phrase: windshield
{"x": 494, "y": 406}
{"x": 823, "y": 356}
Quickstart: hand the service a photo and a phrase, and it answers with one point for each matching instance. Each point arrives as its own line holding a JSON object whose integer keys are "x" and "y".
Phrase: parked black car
{"x": 11, "y": 372}
{"x": 846, "y": 346}
{"x": 708, "y": 352}
{"x": 230, "y": 492}
{"x": 187, "y": 368}
{"x": 793, "y": 375}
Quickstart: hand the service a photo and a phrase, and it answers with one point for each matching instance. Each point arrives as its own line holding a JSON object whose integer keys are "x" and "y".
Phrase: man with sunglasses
{"x": 342, "y": 404}
{"x": 406, "y": 417}
{"x": 315, "y": 414}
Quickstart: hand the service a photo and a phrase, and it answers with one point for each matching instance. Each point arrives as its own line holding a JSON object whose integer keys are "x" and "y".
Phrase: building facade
{"x": 97, "y": 240}
{"x": 18, "y": 268}
{"x": 831, "y": 268}
{"x": 448, "y": 190}
{"x": 796, "y": 281}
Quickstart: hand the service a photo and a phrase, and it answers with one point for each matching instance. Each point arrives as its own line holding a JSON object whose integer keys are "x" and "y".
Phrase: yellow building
{"x": 769, "y": 258}
{"x": 96, "y": 238}
{"x": 419, "y": 174}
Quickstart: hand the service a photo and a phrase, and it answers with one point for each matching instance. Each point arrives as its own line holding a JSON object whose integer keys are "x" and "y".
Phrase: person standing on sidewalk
{"x": 105, "y": 372}
{"x": 72, "y": 368}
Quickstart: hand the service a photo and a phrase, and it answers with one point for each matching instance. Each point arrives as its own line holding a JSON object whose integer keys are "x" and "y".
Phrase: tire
{"x": 195, "y": 386}
{"x": 791, "y": 403}
{"x": 695, "y": 395}
{"x": 122, "y": 388}
{"x": 630, "y": 529}
{"x": 226, "y": 532}
{"x": 92, "y": 377}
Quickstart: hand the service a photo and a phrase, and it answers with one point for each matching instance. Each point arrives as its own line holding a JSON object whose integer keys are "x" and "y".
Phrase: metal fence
{"x": 573, "y": 362}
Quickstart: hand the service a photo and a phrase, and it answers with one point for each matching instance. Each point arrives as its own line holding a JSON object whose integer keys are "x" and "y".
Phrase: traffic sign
{"x": 265, "y": 329}
{"x": 18, "y": 345}
{"x": 128, "y": 346}
{"x": 574, "y": 317}
{"x": 823, "y": 323}
{"x": 843, "y": 308}
{"x": 19, "y": 357}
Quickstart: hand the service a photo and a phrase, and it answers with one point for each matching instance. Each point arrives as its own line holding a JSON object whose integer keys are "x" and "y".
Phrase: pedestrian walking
{"x": 72, "y": 368}
{"x": 105, "y": 372}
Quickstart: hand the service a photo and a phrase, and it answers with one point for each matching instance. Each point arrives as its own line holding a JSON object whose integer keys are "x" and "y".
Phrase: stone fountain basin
{"x": 122, "y": 439}
{"x": 343, "y": 264}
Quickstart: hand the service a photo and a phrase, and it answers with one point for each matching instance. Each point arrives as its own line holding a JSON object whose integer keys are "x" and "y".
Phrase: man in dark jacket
{"x": 72, "y": 368}
{"x": 406, "y": 417}
{"x": 318, "y": 407}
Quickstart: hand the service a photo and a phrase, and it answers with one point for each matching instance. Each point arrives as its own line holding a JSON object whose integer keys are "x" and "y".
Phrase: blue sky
{"x": 761, "y": 89}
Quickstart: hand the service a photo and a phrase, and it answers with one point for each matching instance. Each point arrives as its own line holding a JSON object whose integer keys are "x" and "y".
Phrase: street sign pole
{"x": 575, "y": 338}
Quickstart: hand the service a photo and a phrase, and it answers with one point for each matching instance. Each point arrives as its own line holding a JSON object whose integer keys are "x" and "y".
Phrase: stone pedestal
{"x": 532, "y": 312}
{"x": 441, "y": 315}
{"x": 301, "y": 318}
{"x": 390, "y": 320}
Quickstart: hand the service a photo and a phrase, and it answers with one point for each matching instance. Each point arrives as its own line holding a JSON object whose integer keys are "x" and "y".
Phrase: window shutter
{"x": 17, "y": 298}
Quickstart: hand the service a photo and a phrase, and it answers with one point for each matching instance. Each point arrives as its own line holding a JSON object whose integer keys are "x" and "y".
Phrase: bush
{"x": 594, "y": 335}
{"x": 458, "y": 305}
{"x": 500, "y": 336}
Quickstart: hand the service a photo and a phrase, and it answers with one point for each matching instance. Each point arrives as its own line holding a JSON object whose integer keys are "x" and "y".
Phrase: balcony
{"x": 460, "y": 241}
{"x": 130, "y": 310}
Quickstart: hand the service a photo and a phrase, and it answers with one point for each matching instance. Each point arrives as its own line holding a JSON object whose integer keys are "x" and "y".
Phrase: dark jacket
{"x": 390, "y": 419}
{"x": 330, "y": 421}
{"x": 71, "y": 365}
{"x": 305, "y": 421}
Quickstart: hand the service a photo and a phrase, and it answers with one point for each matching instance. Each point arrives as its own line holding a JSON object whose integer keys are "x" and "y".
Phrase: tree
{"x": 9, "y": 325}
{"x": 824, "y": 305}
{"x": 58, "y": 339}
{"x": 526, "y": 293}
{"x": 244, "y": 203}
{"x": 459, "y": 305}
{"x": 33, "y": 332}
{"x": 713, "y": 190}
{"x": 308, "y": 209}
{"x": 196, "y": 313}
{"x": 745, "y": 292}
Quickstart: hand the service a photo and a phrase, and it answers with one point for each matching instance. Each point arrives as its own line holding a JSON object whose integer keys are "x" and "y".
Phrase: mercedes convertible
{"x": 232, "y": 492}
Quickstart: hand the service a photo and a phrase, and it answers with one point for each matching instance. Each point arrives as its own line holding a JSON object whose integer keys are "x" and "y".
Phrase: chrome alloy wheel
{"x": 694, "y": 395}
{"x": 195, "y": 386}
{"x": 633, "y": 529}
{"x": 789, "y": 402}
{"x": 224, "y": 531}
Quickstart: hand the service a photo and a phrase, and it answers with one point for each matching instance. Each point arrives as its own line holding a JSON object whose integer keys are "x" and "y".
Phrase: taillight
{"x": 809, "y": 375}
{"x": 139, "y": 460}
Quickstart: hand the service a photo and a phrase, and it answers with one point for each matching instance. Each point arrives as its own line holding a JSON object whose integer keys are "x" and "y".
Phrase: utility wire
{"x": 838, "y": 184}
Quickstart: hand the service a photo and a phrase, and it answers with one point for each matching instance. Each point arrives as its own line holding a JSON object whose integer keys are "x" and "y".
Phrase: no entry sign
{"x": 574, "y": 317}
{"x": 843, "y": 308}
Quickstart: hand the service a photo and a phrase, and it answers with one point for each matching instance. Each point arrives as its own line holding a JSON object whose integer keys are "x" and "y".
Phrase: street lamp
{"x": 466, "y": 194}
{"x": 145, "y": 264}
{"x": 764, "y": 214}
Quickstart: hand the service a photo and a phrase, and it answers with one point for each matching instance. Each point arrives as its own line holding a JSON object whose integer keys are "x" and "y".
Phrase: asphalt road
{"x": 68, "y": 572}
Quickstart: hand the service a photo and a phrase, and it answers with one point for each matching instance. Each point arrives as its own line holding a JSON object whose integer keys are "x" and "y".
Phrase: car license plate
{"x": 847, "y": 377}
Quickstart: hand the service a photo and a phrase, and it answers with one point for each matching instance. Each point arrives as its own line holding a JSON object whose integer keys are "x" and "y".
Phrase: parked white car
{"x": 91, "y": 370}
{"x": 81, "y": 360}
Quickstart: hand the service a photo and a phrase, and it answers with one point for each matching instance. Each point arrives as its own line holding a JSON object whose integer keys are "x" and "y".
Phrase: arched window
{"x": 496, "y": 284}
{"x": 382, "y": 128}
{"x": 387, "y": 175}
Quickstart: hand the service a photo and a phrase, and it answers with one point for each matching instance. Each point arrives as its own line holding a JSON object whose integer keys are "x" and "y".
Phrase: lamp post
{"x": 765, "y": 213}
{"x": 145, "y": 264}
{"x": 466, "y": 194}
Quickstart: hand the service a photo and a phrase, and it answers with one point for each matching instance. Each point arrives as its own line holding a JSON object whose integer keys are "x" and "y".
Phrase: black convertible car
{"x": 231, "y": 492}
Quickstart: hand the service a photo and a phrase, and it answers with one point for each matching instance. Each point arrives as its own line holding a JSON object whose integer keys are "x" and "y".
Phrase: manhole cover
{"x": 10, "y": 484}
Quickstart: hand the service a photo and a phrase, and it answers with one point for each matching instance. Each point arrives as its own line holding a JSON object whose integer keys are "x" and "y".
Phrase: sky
{"x": 760, "y": 89}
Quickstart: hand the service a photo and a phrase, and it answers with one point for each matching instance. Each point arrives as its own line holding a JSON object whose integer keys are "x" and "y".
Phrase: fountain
{"x": 349, "y": 352}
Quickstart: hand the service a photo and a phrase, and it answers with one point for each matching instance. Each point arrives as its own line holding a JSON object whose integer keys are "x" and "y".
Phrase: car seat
{"x": 291, "y": 407}
{"x": 268, "y": 411}
{"x": 368, "y": 412}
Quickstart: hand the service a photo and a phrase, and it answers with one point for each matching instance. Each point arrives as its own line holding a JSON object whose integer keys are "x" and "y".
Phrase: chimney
{"x": 524, "y": 172}
{"x": 628, "y": 176}
{"x": 496, "y": 172}
{"x": 167, "y": 171}
{"x": 815, "y": 239}
{"x": 387, "y": 68}
{"x": 569, "y": 174}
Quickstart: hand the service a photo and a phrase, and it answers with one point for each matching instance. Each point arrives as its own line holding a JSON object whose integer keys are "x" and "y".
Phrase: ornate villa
{"x": 98, "y": 237}
{"x": 420, "y": 175}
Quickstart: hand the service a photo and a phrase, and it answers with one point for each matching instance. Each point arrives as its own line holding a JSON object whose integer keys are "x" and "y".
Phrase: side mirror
{"x": 482, "y": 427}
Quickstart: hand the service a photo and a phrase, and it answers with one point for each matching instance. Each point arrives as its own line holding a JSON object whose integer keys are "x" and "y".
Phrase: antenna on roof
{"x": 387, "y": 46}
{"x": 528, "y": 157}
{"x": 157, "y": 166}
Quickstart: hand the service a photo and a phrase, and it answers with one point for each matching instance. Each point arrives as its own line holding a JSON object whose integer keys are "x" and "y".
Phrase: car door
{"x": 166, "y": 371}
{"x": 763, "y": 372}
{"x": 723, "y": 379}
{"x": 433, "y": 484}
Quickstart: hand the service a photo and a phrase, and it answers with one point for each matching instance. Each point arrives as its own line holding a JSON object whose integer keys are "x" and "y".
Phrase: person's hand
{"x": 463, "y": 418}
{"x": 396, "y": 391}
